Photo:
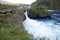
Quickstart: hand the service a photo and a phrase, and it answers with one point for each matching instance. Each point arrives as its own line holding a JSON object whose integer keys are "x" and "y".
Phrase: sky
{"x": 20, "y": 1}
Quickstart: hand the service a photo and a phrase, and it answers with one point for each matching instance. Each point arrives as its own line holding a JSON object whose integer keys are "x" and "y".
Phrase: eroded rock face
{"x": 34, "y": 14}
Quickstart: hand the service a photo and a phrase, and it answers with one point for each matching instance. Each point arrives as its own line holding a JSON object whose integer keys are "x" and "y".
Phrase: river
{"x": 42, "y": 29}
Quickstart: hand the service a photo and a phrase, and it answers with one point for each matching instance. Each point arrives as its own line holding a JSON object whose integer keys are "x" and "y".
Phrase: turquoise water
{"x": 39, "y": 29}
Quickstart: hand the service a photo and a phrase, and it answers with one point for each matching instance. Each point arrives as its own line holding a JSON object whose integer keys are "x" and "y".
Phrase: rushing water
{"x": 40, "y": 29}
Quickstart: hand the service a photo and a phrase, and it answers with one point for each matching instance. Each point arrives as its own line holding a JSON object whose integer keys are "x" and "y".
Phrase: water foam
{"x": 41, "y": 29}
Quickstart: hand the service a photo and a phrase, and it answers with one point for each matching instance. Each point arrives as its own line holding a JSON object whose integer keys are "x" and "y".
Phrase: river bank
{"x": 11, "y": 26}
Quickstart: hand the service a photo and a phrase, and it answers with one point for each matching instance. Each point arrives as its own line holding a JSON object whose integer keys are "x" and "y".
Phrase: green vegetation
{"x": 9, "y": 31}
{"x": 11, "y": 25}
{"x": 34, "y": 14}
{"x": 50, "y": 4}
{"x": 39, "y": 9}
{"x": 54, "y": 4}
{"x": 7, "y": 8}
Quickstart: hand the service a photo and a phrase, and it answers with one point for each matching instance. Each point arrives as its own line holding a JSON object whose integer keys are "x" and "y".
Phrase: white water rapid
{"x": 40, "y": 29}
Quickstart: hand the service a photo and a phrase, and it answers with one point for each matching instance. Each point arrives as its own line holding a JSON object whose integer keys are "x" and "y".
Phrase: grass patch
{"x": 9, "y": 31}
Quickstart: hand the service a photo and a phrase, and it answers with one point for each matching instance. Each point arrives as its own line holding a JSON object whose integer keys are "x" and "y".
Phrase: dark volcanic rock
{"x": 35, "y": 15}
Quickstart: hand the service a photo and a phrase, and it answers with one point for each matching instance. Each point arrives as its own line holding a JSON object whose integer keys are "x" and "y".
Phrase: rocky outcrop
{"x": 34, "y": 15}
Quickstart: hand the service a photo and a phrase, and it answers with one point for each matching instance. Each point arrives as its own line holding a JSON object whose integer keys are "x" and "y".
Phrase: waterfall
{"x": 42, "y": 29}
{"x": 26, "y": 15}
